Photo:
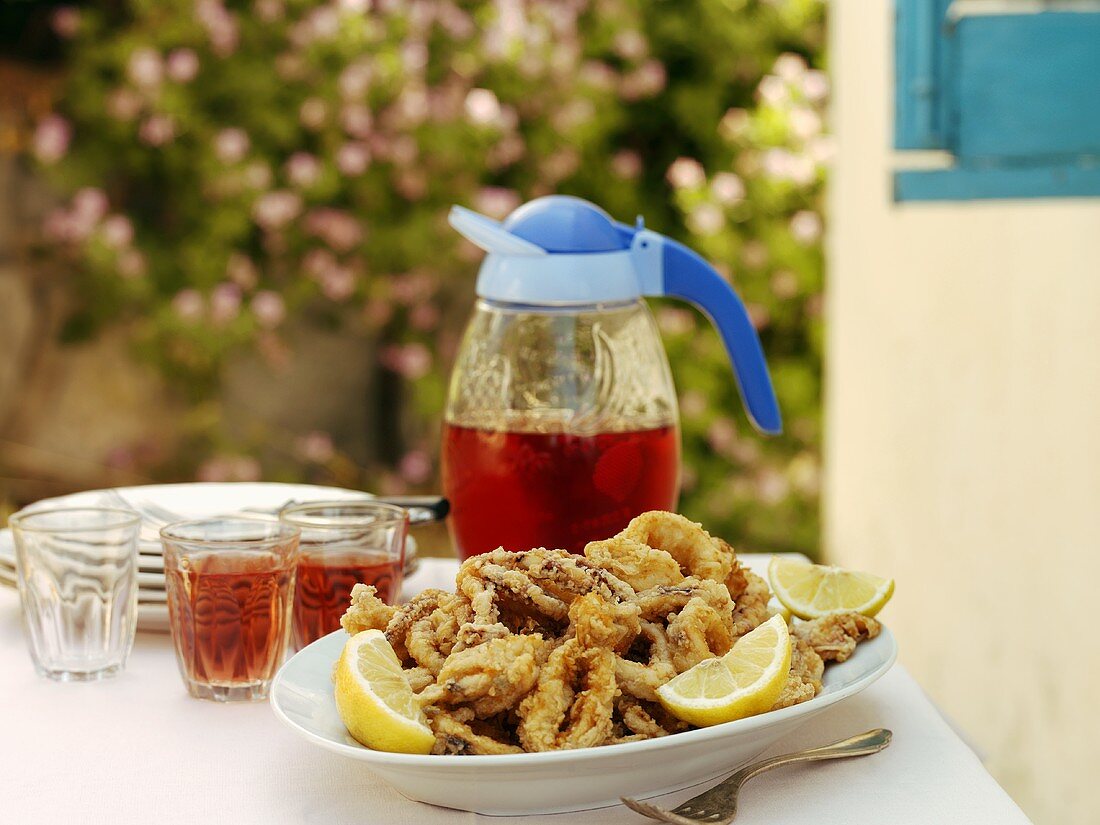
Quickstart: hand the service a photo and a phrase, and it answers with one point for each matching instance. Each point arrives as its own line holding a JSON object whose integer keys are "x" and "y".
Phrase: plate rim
{"x": 528, "y": 760}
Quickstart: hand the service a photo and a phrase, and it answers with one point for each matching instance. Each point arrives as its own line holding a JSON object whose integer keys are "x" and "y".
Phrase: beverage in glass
{"x": 230, "y": 586}
{"x": 77, "y": 572}
{"x": 343, "y": 543}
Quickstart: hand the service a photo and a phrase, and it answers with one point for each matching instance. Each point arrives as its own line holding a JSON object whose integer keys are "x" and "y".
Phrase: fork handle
{"x": 861, "y": 744}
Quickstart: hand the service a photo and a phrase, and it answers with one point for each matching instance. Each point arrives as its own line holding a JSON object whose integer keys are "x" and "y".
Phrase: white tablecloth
{"x": 138, "y": 749}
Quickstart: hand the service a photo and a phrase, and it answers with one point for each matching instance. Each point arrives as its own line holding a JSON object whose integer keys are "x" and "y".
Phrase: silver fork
{"x": 718, "y": 806}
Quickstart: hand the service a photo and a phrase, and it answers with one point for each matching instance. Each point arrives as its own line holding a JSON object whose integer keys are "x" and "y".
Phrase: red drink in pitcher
{"x": 520, "y": 490}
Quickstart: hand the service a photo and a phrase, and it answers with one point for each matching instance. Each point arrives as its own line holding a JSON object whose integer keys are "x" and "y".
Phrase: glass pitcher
{"x": 561, "y": 421}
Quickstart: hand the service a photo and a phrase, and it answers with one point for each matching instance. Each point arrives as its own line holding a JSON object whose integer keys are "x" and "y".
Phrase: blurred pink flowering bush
{"x": 233, "y": 167}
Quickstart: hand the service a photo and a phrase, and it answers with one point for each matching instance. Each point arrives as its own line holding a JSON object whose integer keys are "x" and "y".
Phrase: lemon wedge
{"x": 811, "y": 591}
{"x": 746, "y": 681}
{"x": 374, "y": 699}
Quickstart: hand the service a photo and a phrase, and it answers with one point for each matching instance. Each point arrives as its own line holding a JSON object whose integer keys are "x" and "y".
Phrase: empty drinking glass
{"x": 77, "y": 571}
{"x": 230, "y": 586}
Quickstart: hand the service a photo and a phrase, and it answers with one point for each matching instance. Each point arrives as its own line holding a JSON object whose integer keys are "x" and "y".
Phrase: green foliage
{"x": 237, "y": 164}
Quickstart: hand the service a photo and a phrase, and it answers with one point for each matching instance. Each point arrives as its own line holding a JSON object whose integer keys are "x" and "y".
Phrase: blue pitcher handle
{"x": 667, "y": 267}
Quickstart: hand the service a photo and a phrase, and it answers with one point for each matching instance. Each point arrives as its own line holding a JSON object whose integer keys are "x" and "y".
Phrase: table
{"x": 138, "y": 749}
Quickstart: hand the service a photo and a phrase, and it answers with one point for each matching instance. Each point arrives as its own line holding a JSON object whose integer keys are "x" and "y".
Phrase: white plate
{"x": 559, "y": 781}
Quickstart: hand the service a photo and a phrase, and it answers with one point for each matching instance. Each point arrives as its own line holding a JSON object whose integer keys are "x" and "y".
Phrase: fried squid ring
{"x": 572, "y": 704}
{"x": 453, "y": 735}
{"x": 635, "y": 563}
{"x": 641, "y": 679}
{"x": 698, "y": 632}
{"x": 693, "y": 547}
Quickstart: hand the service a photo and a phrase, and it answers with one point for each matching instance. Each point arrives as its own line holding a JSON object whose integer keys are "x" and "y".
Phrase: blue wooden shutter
{"x": 1011, "y": 89}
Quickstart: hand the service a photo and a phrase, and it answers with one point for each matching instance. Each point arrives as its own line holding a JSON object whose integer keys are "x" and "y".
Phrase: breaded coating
{"x": 835, "y": 637}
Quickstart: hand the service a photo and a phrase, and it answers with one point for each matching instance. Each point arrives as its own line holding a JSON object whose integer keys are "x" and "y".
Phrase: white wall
{"x": 963, "y": 446}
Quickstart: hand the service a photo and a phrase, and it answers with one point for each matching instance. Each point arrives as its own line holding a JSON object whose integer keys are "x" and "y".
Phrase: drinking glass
{"x": 344, "y": 543}
{"x": 230, "y": 586}
{"x": 77, "y": 571}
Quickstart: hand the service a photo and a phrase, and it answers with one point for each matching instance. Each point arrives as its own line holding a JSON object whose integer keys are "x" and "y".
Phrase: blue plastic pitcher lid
{"x": 564, "y": 224}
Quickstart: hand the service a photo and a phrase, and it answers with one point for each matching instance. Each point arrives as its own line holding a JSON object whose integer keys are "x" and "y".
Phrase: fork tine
{"x": 645, "y": 809}
{"x": 655, "y": 812}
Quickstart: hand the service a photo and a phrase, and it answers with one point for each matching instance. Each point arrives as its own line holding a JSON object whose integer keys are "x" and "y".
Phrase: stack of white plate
{"x": 197, "y": 500}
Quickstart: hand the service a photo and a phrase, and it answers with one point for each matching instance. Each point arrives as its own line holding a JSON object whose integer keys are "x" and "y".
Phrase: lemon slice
{"x": 746, "y": 681}
{"x": 374, "y": 699}
{"x": 811, "y": 591}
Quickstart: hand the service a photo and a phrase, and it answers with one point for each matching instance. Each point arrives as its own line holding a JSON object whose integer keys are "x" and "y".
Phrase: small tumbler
{"x": 344, "y": 543}
{"x": 77, "y": 571}
{"x": 230, "y": 587}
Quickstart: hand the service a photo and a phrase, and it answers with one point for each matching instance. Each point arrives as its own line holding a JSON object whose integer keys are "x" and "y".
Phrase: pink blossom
{"x": 124, "y": 104}
{"x": 188, "y": 305}
{"x": 303, "y": 169}
{"x": 353, "y": 6}
{"x": 773, "y": 90}
{"x": 316, "y": 447}
{"x": 630, "y": 44}
{"x": 182, "y": 65}
{"x": 157, "y": 130}
{"x": 721, "y": 434}
{"x": 789, "y": 66}
{"x": 482, "y": 107}
{"x": 598, "y": 75}
{"x": 90, "y": 205}
{"x": 225, "y": 302}
{"x": 60, "y": 226}
{"x": 269, "y": 11}
{"x": 230, "y": 468}
{"x": 675, "y": 321}
{"x": 626, "y": 164}
{"x": 759, "y": 315}
{"x": 414, "y": 56}
{"x": 411, "y": 288}
{"x": 804, "y": 122}
{"x": 356, "y": 120}
{"x": 269, "y": 308}
{"x": 355, "y": 80}
{"x": 806, "y": 227}
{"x": 313, "y": 113}
{"x": 734, "y": 123}
{"x": 645, "y": 81}
{"x": 353, "y": 158}
{"x": 415, "y": 467}
{"x": 815, "y": 85}
{"x": 496, "y": 201}
{"x": 65, "y": 22}
{"x": 784, "y": 284}
{"x": 338, "y": 229}
{"x": 456, "y": 22}
{"x": 317, "y": 262}
{"x": 686, "y": 173}
{"x": 274, "y": 210}
{"x": 51, "y": 138}
{"x": 706, "y": 219}
{"x": 509, "y": 149}
{"x": 411, "y": 361}
{"x": 771, "y": 486}
{"x": 338, "y": 284}
{"x": 728, "y": 188}
{"x": 424, "y": 317}
{"x": 241, "y": 270}
{"x": 118, "y": 232}
{"x": 693, "y": 404}
{"x": 221, "y": 26}
{"x": 231, "y": 145}
{"x": 754, "y": 254}
{"x": 145, "y": 68}
{"x": 784, "y": 165}
{"x": 131, "y": 264}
